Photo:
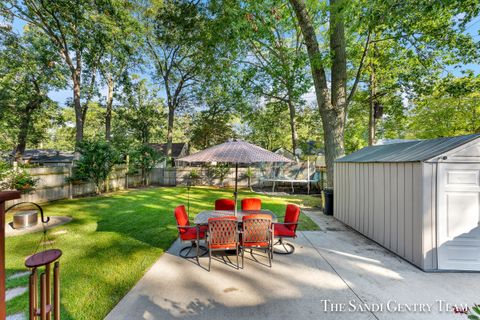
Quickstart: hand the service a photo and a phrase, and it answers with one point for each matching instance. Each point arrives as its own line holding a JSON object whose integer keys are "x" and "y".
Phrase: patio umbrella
{"x": 235, "y": 152}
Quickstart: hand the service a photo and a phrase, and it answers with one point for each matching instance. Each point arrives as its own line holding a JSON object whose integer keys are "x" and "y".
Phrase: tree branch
{"x": 359, "y": 70}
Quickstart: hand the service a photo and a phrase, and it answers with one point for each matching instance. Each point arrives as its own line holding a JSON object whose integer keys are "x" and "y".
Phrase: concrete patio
{"x": 333, "y": 274}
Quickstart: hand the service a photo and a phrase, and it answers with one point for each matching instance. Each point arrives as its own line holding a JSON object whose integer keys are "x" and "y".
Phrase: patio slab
{"x": 331, "y": 270}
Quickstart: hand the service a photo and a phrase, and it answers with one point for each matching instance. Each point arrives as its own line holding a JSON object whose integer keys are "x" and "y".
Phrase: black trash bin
{"x": 328, "y": 202}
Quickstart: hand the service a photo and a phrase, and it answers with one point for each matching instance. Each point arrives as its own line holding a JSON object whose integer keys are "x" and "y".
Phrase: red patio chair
{"x": 222, "y": 235}
{"x": 251, "y": 204}
{"x": 224, "y": 204}
{"x": 186, "y": 232}
{"x": 257, "y": 233}
{"x": 287, "y": 229}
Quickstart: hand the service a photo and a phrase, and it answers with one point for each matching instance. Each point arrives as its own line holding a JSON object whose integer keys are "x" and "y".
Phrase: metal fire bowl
{"x": 25, "y": 219}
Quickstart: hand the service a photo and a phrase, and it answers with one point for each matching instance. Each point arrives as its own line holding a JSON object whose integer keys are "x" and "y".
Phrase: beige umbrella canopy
{"x": 235, "y": 152}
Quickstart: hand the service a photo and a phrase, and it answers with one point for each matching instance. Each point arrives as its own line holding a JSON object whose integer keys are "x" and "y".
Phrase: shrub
{"x": 16, "y": 179}
{"x": 221, "y": 172}
{"x": 144, "y": 159}
{"x": 96, "y": 162}
{"x": 194, "y": 176}
{"x": 249, "y": 175}
{"x": 209, "y": 173}
{"x": 4, "y": 168}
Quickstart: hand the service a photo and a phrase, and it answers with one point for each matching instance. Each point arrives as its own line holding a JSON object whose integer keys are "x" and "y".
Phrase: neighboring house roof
{"x": 178, "y": 148}
{"x": 45, "y": 155}
{"x": 413, "y": 151}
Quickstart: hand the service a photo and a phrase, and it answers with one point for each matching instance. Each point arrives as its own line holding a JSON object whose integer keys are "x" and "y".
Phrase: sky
{"x": 472, "y": 28}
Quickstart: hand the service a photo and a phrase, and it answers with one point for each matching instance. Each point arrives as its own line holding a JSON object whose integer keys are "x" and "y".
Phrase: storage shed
{"x": 419, "y": 199}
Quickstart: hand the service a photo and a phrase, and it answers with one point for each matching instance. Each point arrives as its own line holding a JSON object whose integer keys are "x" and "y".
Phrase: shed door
{"x": 458, "y": 229}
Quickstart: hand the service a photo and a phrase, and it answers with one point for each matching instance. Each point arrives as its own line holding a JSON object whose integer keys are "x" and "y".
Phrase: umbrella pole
{"x": 235, "y": 193}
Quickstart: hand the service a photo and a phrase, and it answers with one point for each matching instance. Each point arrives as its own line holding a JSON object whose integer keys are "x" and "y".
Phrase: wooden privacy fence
{"x": 53, "y": 185}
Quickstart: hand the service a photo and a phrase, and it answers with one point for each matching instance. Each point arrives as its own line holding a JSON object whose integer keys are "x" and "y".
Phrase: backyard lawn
{"x": 113, "y": 239}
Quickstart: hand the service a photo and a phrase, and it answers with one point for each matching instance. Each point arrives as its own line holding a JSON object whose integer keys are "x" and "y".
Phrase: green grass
{"x": 113, "y": 239}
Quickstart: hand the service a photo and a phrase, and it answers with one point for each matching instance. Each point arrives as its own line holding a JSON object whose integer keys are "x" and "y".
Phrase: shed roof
{"x": 412, "y": 151}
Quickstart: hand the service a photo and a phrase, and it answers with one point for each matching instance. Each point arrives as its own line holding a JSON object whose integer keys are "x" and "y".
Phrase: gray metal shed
{"x": 419, "y": 199}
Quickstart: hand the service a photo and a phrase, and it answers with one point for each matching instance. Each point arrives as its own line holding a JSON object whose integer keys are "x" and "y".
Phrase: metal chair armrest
{"x": 287, "y": 223}
{"x": 186, "y": 226}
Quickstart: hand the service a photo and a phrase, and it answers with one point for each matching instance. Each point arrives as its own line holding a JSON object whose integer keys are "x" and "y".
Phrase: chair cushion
{"x": 191, "y": 233}
{"x": 251, "y": 204}
{"x": 281, "y": 230}
{"x": 292, "y": 214}
{"x": 222, "y": 246}
{"x": 261, "y": 244}
{"x": 182, "y": 218}
{"x": 224, "y": 204}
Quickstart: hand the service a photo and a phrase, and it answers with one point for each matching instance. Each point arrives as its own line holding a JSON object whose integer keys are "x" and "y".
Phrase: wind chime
{"x": 41, "y": 305}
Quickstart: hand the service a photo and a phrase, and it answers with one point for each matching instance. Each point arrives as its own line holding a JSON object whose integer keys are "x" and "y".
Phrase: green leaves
{"x": 28, "y": 71}
{"x": 452, "y": 108}
{"x": 143, "y": 159}
{"x": 141, "y": 115}
{"x": 15, "y": 178}
{"x": 96, "y": 162}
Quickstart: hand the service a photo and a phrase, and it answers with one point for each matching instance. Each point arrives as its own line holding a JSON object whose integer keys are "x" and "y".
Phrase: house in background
{"x": 179, "y": 149}
{"x": 43, "y": 157}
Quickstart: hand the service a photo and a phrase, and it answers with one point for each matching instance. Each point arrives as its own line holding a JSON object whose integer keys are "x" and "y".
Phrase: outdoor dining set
{"x": 227, "y": 229}
{"x": 232, "y": 231}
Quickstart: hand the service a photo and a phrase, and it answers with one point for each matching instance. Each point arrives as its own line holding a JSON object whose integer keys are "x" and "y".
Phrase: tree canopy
{"x": 335, "y": 74}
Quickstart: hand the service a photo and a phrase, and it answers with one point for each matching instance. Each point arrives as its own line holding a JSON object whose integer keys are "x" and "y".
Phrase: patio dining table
{"x": 202, "y": 217}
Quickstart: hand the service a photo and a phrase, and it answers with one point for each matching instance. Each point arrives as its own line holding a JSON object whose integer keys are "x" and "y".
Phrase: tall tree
{"x": 212, "y": 125}
{"x": 176, "y": 31}
{"x": 332, "y": 101}
{"x": 28, "y": 71}
{"x": 453, "y": 108}
{"x": 141, "y": 112}
{"x": 425, "y": 26}
{"x": 75, "y": 29}
{"x": 122, "y": 54}
{"x": 275, "y": 65}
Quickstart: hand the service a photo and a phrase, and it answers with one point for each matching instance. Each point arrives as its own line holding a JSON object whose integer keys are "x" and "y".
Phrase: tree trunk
{"x": 24, "y": 126}
{"x": 332, "y": 107}
{"x": 108, "y": 113}
{"x": 371, "y": 115}
{"x": 293, "y": 127}
{"x": 79, "y": 116}
{"x": 171, "y": 115}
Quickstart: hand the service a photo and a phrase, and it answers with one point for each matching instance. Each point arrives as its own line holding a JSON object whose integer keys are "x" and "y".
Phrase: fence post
{"x": 70, "y": 185}
{"x": 127, "y": 160}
